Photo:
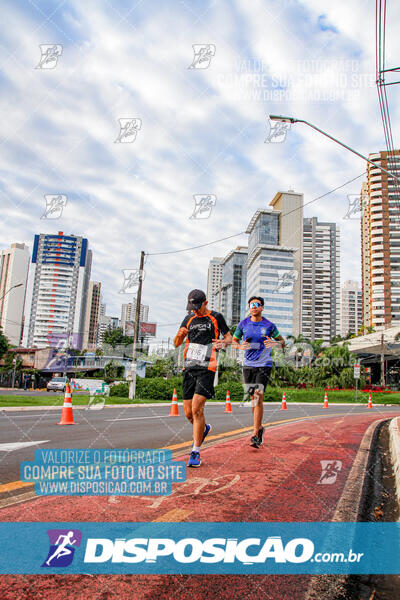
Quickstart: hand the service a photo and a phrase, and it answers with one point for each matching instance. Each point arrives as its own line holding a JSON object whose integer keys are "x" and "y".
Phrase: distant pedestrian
{"x": 27, "y": 380}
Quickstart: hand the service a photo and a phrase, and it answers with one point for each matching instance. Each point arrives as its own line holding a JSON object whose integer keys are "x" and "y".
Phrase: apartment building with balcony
{"x": 57, "y": 290}
{"x": 380, "y": 242}
{"x": 321, "y": 280}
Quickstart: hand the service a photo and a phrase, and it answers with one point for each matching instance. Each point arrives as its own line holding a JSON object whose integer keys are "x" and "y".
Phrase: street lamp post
{"x": 133, "y": 373}
{"x": 283, "y": 119}
{"x": 11, "y": 288}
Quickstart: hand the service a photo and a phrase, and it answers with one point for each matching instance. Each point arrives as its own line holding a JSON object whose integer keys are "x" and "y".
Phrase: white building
{"x": 230, "y": 298}
{"x": 350, "y": 308}
{"x": 274, "y": 260}
{"x": 321, "y": 280}
{"x": 214, "y": 280}
{"x": 270, "y": 270}
{"x": 92, "y": 316}
{"x": 57, "y": 289}
{"x": 14, "y": 266}
{"x": 128, "y": 315}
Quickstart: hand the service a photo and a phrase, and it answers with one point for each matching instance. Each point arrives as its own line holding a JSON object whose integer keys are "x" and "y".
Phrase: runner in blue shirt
{"x": 259, "y": 335}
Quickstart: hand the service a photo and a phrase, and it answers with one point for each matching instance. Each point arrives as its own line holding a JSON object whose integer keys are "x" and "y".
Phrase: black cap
{"x": 195, "y": 300}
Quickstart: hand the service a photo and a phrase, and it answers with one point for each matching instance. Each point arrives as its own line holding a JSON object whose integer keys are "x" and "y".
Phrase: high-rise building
{"x": 105, "y": 322}
{"x": 230, "y": 297}
{"x": 350, "y": 308}
{"x": 14, "y": 265}
{"x": 213, "y": 281}
{"x": 128, "y": 315}
{"x": 321, "y": 280}
{"x": 380, "y": 242}
{"x": 57, "y": 289}
{"x": 270, "y": 270}
{"x": 290, "y": 205}
{"x": 92, "y": 315}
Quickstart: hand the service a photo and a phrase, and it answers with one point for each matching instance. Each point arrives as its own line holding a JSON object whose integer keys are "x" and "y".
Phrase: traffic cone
{"x": 67, "y": 417}
{"x": 174, "y": 412}
{"x": 228, "y": 405}
{"x": 326, "y": 405}
{"x": 283, "y": 405}
{"x": 370, "y": 402}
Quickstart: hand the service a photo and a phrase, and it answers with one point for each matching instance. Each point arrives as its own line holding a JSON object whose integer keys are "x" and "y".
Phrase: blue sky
{"x": 202, "y": 130}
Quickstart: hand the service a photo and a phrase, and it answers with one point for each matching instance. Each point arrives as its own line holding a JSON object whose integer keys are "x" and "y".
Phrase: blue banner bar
{"x": 202, "y": 548}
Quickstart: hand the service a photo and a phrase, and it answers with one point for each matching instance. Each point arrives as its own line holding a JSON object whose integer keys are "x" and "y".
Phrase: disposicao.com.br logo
{"x": 200, "y": 547}
{"x": 247, "y": 551}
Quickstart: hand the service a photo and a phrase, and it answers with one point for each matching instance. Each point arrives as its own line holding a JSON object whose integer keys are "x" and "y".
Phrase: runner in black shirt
{"x": 201, "y": 328}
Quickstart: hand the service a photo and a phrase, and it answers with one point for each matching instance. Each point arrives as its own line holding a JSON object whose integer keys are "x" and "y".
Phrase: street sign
{"x": 148, "y": 329}
{"x": 357, "y": 371}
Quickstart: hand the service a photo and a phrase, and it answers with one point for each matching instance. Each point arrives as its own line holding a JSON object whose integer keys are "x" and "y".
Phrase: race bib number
{"x": 197, "y": 352}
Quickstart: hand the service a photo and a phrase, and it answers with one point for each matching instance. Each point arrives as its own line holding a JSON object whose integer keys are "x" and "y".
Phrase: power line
{"x": 195, "y": 247}
{"x": 243, "y": 232}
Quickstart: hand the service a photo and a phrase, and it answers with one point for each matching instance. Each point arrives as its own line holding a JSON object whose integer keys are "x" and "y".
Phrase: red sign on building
{"x": 148, "y": 329}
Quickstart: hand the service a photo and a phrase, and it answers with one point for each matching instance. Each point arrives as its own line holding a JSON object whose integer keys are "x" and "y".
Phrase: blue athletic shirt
{"x": 257, "y": 355}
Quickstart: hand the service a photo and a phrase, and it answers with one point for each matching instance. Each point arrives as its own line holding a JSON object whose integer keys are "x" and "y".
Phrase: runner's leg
{"x": 187, "y": 408}
{"x": 257, "y": 408}
{"x": 198, "y": 418}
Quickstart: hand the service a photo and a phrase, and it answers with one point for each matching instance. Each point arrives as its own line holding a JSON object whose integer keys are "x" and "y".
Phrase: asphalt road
{"x": 137, "y": 426}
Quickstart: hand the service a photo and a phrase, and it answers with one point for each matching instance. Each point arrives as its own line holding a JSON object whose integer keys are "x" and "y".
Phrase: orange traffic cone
{"x": 326, "y": 405}
{"x": 283, "y": 405}
{"x": 370, "y": 401}
{"x": 174, "y": 412}
{"x": 228, "y": 405}
{"x": 67, "y": 417}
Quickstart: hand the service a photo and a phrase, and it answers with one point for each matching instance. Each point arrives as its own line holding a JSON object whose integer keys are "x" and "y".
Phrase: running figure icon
{"x": 62, "y": 549}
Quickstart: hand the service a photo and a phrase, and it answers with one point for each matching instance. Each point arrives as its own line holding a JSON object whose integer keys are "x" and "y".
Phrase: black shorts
{"x": 198, "y": 381}
{"x": 257, "y": 375}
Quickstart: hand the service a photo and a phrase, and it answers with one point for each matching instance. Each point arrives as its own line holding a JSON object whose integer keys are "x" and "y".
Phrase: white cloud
{"x": 202, "y": 131}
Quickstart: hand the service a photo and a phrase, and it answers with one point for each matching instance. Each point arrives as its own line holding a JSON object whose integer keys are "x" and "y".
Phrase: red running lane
{"x": 278, "y": 482}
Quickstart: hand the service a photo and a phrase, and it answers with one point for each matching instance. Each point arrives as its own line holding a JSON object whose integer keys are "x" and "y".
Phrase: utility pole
{"x": 13, "y": 377}
{"x": 132, "y": 383}
{"x": 382, "y": 362}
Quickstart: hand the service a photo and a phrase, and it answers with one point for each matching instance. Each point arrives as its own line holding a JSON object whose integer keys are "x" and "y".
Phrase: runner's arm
{"x": 237, "y": 336}
{"x": 180, "y": 336}
{"x": 274, "y": 341}
{"x": 182, "y": 332}
{"x": 226, "y": 341}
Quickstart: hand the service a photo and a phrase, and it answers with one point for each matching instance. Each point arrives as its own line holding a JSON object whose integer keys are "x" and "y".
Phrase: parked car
{"x": 57, "y": 384}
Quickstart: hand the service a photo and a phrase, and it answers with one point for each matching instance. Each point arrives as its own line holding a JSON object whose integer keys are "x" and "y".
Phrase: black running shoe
{"x": 260, "y": 435}
{"x": 255, "y": 441}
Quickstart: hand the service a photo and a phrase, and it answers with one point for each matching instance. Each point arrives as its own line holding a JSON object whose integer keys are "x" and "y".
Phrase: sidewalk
{"x": 299, "y": 474}
{"x": 394, "y": 432}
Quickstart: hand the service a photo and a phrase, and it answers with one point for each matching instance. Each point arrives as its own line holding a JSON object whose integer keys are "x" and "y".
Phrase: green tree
{"x": 9, "y": 366}
{"x": 113, "y": 371}
{"x": 4, "y": 345}
{"x": 336, "y": 338}
{"x": 161, "y": 367}
{"x": 115, "y": 337}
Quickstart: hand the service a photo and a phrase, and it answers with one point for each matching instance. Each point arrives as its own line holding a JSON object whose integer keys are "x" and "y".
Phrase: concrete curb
{"x": 394, "y": 445}
{"x": 325, "y": 587}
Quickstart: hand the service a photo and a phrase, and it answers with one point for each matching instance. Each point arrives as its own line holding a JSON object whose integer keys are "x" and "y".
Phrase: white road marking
{"x": 10, "y": 446}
